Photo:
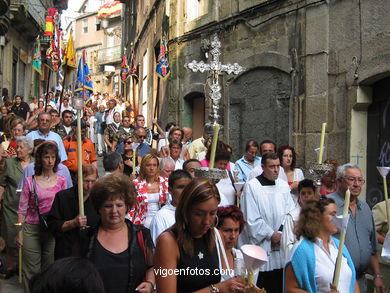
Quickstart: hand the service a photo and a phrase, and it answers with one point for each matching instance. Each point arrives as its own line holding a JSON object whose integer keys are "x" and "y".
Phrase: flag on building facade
{"x": 69, "y": 55}
{"x": 133, "y": 67}
{"x": 125, "y": 73}
{"x": 49, "y": 25}
{"x": 53, "y": 60}
{"x": 162, "y": 67}
{"x": 84, "y": 82}
{"x": 37, "y": 59}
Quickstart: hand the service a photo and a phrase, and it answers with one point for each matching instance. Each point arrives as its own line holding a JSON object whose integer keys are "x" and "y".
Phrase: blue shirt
{"x": 244, "y": 168}
{"x": 143, "y": 149}
{"x": 99, "y": 119}
{"x": 50, "y": 136}
{"x": 360, "y": 237}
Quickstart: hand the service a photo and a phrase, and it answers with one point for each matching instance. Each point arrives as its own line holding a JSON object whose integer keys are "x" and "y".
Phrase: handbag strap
{"x": 221, "y": 248}
{"x": 35, "y": 194}
{"x": 141, "y": 243}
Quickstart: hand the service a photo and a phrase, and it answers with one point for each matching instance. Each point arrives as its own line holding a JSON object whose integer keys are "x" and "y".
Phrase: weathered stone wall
{"x": 323, "y": 52}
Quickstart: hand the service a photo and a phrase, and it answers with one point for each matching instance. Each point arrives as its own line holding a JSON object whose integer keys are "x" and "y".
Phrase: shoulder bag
{"x": 42, "y": 217}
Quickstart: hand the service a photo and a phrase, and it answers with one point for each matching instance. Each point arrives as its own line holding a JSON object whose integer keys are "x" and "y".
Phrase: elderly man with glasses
{"x": 360, "y": 238}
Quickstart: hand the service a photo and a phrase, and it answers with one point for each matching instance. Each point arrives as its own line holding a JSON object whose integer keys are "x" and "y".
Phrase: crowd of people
{"x": 153, "y": 222}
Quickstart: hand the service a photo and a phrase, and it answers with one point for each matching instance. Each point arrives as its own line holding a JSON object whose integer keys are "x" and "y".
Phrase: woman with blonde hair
{"x": 189, "y": 246}
{"x": 152, "y": 191}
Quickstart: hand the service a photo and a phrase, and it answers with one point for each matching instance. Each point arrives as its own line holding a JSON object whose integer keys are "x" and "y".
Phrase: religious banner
{"x": 162, "y": 67}
{"x": 84, "y": 81}
{"x": 69, "y": 56}
{"x": 53, "y": 61}
{"x": 133, "y": 68}
{"x": 125, "y": 74}
{"x": 37, "y": 59}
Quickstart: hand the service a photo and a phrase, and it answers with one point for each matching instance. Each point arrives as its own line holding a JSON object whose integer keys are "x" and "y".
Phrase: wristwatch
{"x": 213, "y": 289}
{"x": 378, "y": 276}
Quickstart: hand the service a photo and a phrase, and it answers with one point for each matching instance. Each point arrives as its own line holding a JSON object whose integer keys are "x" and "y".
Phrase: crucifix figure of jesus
{"x": 216, "y": 68}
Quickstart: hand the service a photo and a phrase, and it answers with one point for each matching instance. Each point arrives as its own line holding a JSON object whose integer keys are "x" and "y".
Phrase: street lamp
{"x": 78, "y": 104}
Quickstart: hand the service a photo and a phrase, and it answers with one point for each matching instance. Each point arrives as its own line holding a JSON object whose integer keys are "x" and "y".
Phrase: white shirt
{"x": 162, "y": 141}
{"x": 325, "y": 265}
{"x": 297, "y": 176}
{"x": 288, "y": 236}
{"x": 227, "y": 192}
{"x": 265, "y": 208}
{"x": 258, "y": 170}
{"x": 179, "y": 164}
{"x": 110, "y": 116}
{"x": 164, "y": 219}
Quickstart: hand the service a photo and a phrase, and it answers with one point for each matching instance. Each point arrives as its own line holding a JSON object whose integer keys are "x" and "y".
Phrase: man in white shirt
{"x": 175, "y": 148}
{"x": 165, "y": 217}
{"x": 265, "y": 202}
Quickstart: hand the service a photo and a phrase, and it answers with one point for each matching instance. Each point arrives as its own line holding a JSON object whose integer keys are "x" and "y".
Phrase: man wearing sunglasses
{"x": 360, "y": 237}
{"x": 140, "y": 135}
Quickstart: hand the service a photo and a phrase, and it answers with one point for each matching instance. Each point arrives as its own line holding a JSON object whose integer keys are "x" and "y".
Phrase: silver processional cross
{"x": 215, "y": 68}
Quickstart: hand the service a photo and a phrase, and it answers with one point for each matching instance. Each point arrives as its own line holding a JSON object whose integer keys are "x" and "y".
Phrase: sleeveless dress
{"x": 153, "y": 207}
{"x": 198, "y": 271}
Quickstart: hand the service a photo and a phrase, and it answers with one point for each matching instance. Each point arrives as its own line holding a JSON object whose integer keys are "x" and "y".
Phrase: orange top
{"x": 88, "y": 154}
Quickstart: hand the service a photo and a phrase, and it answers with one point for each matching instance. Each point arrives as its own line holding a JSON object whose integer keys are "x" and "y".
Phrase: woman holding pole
{"x": 36, "y": 199}
{"x": 8, "y": 185}
{"x": 314, "y": 256}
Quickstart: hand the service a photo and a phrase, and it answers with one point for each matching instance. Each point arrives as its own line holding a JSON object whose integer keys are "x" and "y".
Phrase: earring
{"x": 216, "y": 221}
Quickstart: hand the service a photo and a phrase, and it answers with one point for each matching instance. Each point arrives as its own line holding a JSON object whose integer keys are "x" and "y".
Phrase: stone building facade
{"x": 146, "y": 25}
{"x": 307, "y": 62}
{"x": 19, "y": 26}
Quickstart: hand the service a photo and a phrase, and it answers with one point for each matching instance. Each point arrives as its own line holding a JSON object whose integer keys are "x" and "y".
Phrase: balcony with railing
{"x": 109, "y": 55}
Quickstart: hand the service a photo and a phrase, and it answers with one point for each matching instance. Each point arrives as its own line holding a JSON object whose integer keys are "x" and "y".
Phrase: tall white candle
{"x": 321, "y": 153}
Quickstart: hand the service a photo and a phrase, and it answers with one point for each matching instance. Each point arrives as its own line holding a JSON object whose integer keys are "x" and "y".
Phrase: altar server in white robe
{"x": 306, "y": 192}
{"x": 265, "y": 202}
{"x": 165, "y": 217}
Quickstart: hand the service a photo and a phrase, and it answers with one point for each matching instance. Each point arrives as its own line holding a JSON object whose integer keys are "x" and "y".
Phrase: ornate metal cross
{"x": 215, "y": 68}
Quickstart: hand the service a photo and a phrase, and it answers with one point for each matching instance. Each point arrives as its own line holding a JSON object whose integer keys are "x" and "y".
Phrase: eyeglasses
{"x": 352, "y": 180}
{"x": 128, "y": 142}
{"x": 141, "y": 136}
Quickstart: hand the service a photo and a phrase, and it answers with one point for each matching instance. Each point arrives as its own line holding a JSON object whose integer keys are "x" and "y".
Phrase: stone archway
{"x": 194, "y": 113}
{"x": 259, "y": 107}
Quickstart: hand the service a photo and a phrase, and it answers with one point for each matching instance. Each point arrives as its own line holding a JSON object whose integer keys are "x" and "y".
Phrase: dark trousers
{"x": 271, "y": 281}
